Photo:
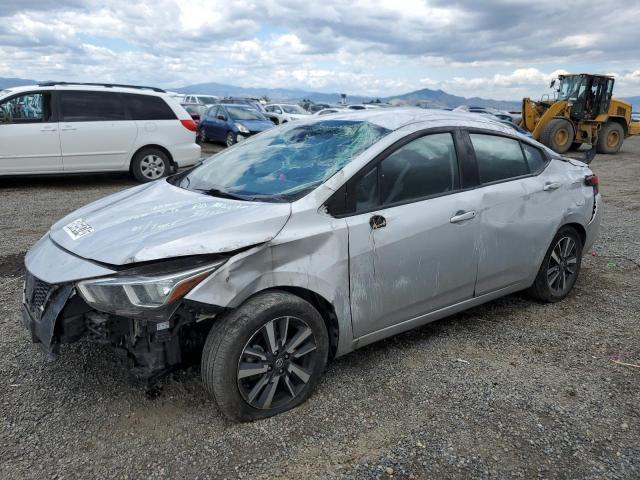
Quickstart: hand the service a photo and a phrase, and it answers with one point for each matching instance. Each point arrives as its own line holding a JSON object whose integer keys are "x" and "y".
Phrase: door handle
{"x": 377, "y": 221}
{"x": 67, "y": 129}
{"x": 461, "y": 216}
{"x": 49, "y": 129}
{"x": 551, "y": 186}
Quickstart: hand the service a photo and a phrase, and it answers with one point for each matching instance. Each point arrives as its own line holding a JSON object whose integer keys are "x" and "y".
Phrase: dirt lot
{"x": 510, "y": 389}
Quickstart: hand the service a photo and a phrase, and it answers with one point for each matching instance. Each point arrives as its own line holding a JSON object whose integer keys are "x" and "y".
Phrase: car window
{"x": 535, "y": 158}
{"x": 295, "y": 109}
{"x": 27, "y": 108}
{"x": 498, "y": 158}
{"x": 213, "y": 112}
{"x": 366, "y": 191}
{"x": 424, "y": 167}
{"x": 244, "y": 113}
{"x": 91, "y": 106}
{"x": 148, "y": 107}
{"x": 277, "y": 109}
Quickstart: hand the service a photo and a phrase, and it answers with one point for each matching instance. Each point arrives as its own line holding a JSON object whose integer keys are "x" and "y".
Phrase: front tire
{"x": 150, "y": 164}
{"x": 610, "y": 138}
{"x": 560, "y": 267}
{"x": 266, "y": 357}
{"x": 558, "y": 135}
{"x": 230, "y": 139}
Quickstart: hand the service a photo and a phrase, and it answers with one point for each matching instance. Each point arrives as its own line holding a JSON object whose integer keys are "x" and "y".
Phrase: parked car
{"x": 502, "y": 115}
{"x": 231, "y": 123}
{"x": 65, "y": 127}
{"x": 285, "y": 112}
{"x": 194, "y": 111}
{"x": 315, "y": 107}
{"x": 363, "y": 106}
{"x": 327, "y": 111}
{"x": 309, "y": 241}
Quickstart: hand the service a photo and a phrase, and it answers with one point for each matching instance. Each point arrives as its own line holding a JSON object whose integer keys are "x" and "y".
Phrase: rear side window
{"x": 424, "y": 167}
{"x": 535, "y": 158}
{"x": 498, "y": 158}
{"x": 148, "y": 107}
{"x": 91, "y": 106}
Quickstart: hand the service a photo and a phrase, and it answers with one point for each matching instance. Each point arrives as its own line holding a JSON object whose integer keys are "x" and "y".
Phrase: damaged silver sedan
{"x": 308, "y": 241}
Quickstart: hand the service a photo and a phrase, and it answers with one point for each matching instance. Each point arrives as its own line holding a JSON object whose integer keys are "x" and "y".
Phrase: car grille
{"x": 36, "y": 292}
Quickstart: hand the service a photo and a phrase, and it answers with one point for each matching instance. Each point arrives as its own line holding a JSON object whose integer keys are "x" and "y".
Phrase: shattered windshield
{"x": 282, "y": 164}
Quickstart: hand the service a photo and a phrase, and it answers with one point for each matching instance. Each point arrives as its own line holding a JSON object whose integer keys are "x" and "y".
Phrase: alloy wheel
{"x": 276, "y": 363}
{"x": 563, "y": 264}
{"x": 152, "y": 166}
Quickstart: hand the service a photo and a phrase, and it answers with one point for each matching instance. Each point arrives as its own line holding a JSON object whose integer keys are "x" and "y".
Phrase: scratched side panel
{"x": 310, "y": 252}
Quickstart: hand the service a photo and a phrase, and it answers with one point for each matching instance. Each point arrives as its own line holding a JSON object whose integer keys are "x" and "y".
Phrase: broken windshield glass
{"x": 286, "y": 162}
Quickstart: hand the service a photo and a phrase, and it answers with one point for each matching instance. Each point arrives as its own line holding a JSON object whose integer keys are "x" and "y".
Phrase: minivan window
{"x": 27, "y": 108}
{"x": 89, "y": 106}
{"x": 535, "y": 158}
{"x": 498, "y": 158}
{"x": 148, "y": 107}
{"x": 424, "y": 167}
{"x": 283, "y": 164}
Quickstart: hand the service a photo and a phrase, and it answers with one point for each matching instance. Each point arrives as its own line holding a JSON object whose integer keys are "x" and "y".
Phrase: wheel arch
{"x": 324, "y": 307}
{"x": 582, "y": 232}
{"x": 621, "y": 121}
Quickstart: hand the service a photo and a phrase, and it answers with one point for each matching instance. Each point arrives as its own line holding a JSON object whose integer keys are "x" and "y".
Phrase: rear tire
{"x": 252, "y": 377}
{"x": 150, "y": 164}
{"x": 560, "y": 267}
{"x": 202, "y": 136}
{"x": 558, "y": 135}
{"x": 610, "y": 138}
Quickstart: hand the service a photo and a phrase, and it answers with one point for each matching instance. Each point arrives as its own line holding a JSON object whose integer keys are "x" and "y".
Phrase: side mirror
{"x": 553, "y": 82}
{"x": 221, "y": 117}
{"x": 5, "y": 117}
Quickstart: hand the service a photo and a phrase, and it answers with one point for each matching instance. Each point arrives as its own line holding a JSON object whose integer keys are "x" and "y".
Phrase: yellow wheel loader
{"x": 583, "y": 111}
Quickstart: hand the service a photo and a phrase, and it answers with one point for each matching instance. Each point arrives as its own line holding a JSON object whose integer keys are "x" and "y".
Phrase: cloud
{"x": 495, "y": 47}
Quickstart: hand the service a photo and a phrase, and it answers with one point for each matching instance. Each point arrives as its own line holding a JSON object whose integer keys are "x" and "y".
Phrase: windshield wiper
{"x": 217, "y": 192}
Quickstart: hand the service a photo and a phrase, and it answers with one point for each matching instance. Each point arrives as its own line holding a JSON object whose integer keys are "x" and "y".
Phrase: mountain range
{"x": 425, "y": 97}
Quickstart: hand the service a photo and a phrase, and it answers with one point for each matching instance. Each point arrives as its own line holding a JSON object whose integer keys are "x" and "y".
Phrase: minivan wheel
{"x": 560, "y": 267}
{"x": 231, "y": 139}
{"x": 150, "y": 164}
{"x": 265, "y": 357}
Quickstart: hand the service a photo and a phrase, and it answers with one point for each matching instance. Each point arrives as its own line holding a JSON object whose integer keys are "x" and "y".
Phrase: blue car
{"x": 231, "y": 123}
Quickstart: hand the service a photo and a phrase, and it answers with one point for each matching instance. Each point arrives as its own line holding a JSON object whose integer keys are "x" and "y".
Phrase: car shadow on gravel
{"x": 68, "y": 181}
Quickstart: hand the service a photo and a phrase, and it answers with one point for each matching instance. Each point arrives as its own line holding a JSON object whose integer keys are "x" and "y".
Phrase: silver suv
{"x": 308, "y": 241}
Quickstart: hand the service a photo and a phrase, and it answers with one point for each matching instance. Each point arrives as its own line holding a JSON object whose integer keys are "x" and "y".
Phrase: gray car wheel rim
{"x": 277, "y": 363}
{"x": 152, "y": 166}
{"x": 563, "y": 265}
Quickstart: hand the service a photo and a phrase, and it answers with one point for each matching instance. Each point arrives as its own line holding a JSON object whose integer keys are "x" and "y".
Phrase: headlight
{"x": 242, "y": 128}
{"x": 141, "y": 293}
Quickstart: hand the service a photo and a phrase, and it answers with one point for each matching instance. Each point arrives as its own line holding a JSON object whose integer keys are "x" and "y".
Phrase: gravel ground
{"x": 509, "y": 389}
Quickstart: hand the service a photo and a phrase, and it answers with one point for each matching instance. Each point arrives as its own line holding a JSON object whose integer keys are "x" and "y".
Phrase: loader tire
{"x": 610, "y": 138}
{"x": 558, "y": 135}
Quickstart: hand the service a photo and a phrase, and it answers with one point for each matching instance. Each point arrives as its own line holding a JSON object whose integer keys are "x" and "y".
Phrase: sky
{"x": 491, "y": 48}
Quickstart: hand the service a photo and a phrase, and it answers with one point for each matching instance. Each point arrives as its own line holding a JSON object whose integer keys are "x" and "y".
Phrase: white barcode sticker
{"x": 78, "y": 228}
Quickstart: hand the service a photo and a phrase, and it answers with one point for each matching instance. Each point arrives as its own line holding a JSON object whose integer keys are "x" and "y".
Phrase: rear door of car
{"x": 519, "y": 209}
{"x": 95, "y": 132}
{"x": 412, "y": 232}
{"x": 29, "y": 135}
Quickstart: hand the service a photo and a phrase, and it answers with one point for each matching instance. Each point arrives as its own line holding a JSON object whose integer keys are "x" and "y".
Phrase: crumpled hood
{"x": 159, "y": 220}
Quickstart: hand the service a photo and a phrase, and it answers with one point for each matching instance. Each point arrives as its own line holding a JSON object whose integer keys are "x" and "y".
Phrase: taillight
{"x": 189, "y": 125}
{"x": 592, "y": 181}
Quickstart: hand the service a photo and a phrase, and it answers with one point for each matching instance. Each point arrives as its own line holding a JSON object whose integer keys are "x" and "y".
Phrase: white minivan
{"x": 64, "y": 127}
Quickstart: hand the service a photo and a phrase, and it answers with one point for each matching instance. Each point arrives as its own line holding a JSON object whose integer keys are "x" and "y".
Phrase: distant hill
{"x": 15, "y": 82}
{"x": 274, "y": 94}
{"x": 439, "y": 99}
{"x": 425, "y": 97}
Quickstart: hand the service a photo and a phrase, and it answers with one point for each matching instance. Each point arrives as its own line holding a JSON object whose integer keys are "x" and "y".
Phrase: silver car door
{"x": 520, "y": 212}
{"x": 412, "y": 239}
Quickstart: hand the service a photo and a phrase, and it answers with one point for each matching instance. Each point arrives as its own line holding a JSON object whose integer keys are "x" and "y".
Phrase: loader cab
{"x": 589, "y": 95}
